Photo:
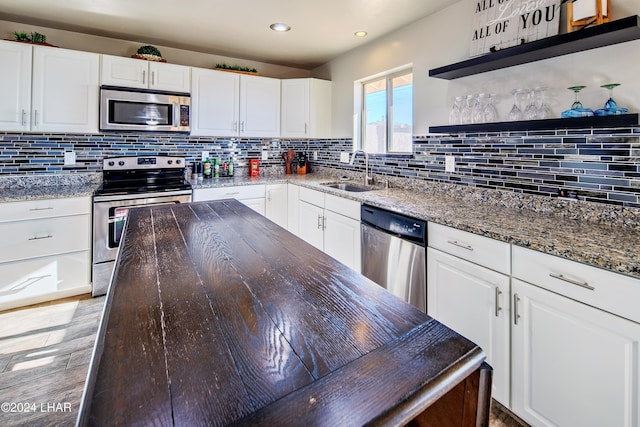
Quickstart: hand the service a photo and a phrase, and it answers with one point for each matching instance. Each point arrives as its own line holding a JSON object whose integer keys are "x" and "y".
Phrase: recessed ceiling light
{"x": 279, "y": 26}
{"x": 360, "y": 33}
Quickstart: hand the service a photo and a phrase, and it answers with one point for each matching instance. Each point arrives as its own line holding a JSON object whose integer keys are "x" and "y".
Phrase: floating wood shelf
{"x": 549, "y": 124}
{"x": 619, "y": 31}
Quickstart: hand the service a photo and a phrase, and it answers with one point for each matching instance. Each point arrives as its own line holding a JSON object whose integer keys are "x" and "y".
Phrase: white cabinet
{"x": 230, "y": 104}
{"x": 293, "y": 208}
{"x": 137, "y": 73}
{"x": 575, "y": 348}
{"x": 48, "y": 89}
{"x": 15, "y": 86}
{"x": 250, "y": 195}
{"x": 306, "y": 108}
{"x": 276, "y": 208}
{"x": 573, "y": 365}
{"x": 45, "y": 253}
{"x": 332, "y": 224}
{"x": 470, "y": 298}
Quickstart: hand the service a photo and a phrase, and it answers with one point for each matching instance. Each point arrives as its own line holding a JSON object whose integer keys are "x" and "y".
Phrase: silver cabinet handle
{"x": 269, "y": 195}
{"x": 573, "y": 282}
{"x": 235, "y": 126}
{"x": 324, "y": 222}
{"x": 498, "y": 308}
{"x": 319, "y": 222}
{"x": 242, "y": 126}
{"x": 24, "y": 115}
{"x": 144, "y": 77}
{"x": 516, "y": 315}
{"x": 40, "y": 238}
{"x": 41, "y": 209}
{"x": 35, "y": 118}
{"x": 460, "y": 245}
{"x": 153, "y": 78}
{"x": 305, "y": 128}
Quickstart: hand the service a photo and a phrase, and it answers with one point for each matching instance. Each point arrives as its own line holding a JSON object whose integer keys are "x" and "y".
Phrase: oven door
{"x": 109, "y": 218}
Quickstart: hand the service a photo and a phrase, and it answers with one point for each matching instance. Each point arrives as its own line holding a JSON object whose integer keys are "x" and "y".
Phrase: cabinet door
{"x": 65, "y": 90}
{"x": 126, "y": 72}
{"x": 473, "y": 301}
{"x": 15, "y": 86}
{"x": 311, "y": 224}
{"x": 295, "y": 108}
{"x": 573, "y": 365}
{"x": 215, "y": 104}
{"x": 171, "y": 77}
{"x": 276, "y": 204}
{"x": 255, "y": 204}
{"x": 293, "y": 208}
{"x": 259, "y": 106}
{"x": 342, "y": 239}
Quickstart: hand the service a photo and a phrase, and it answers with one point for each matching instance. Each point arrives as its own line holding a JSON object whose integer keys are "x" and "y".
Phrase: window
{"x": 387, "y": 113}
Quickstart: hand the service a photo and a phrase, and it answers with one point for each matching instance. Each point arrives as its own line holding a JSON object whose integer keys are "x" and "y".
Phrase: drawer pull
{"x": 498, "y": 308}
{"x": 516, "y": 315}
{"x": 460, "y": 245}
{"x": 40, "y": 238}
{"x": 41, "y": 209}
{"x": 232, "y": 194}
{"x": 573, "y": 282}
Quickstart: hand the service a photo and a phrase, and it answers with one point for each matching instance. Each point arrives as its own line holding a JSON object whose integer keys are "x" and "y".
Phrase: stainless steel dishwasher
{"x": 393, "y": 253}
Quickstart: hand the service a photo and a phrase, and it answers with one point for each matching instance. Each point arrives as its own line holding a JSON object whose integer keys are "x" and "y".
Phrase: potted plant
{"x": 150, "y": 53}
{"x": 34, "y": 38}
{"x": 236, "y": 69}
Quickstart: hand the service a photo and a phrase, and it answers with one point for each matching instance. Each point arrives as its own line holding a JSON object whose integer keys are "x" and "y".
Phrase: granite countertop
{"x": 22, "y": 188}
{"x": 599, "y": 235}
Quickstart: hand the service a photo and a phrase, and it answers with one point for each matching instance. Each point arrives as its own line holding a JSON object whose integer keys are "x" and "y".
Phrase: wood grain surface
{"x": 218, "y": 316}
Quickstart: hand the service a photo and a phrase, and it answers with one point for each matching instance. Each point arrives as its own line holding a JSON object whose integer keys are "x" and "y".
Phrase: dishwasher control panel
{"x": 394, "y": 223}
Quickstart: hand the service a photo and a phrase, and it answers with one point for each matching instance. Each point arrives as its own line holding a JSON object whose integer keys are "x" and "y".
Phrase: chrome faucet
{"x": 367, "y": 179}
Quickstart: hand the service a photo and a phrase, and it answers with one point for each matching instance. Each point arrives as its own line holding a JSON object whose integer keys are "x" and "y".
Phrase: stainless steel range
{"x": 129, "y": 182}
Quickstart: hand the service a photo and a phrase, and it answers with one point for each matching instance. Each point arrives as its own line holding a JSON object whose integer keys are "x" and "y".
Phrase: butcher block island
{"x": 218, "y": 316}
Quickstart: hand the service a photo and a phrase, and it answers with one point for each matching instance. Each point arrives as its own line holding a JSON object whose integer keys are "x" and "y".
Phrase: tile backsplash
{"x": 601, "y": 165}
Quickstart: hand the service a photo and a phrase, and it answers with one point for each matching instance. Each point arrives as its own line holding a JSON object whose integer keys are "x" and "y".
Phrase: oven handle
{"x": 123, "y": 197}
{"x": 113, "y": 219}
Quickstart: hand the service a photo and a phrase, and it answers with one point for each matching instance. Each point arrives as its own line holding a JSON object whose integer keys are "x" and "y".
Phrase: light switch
{"x": 449, "y": 164}
{"x": 344, "y": 157}
{"x": 265, "y": 155}
{"x": 205, "y": 155}
{"x": 69, "y": 158}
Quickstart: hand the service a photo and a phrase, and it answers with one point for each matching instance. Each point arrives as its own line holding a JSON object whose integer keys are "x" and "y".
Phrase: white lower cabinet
{"x": 473, "y": 301}
{"x": 250, "y": 195}
{"x": 573, "y": 365}
{"x": 45, "y": 253}
{"x": 276, "y": 208}
{"x": 293, "y": 208}
{"x": 332, "y": 224}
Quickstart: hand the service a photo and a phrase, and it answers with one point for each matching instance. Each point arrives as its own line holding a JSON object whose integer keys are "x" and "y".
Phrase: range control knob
{"x": 121, "y": 162}
{"x": 111, "y": 163}
{"x": 178, "y": 161}
{"x": 169, "y": 162}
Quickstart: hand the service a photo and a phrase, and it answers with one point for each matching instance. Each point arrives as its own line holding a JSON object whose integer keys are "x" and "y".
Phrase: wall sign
{"x": 498, "y": 24}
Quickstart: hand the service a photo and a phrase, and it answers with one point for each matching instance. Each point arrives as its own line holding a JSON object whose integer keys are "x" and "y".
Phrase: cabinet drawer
{"x": 43, "y": 279}
{"x": 314, "y": 197}
{"x": 238, "y": 192}
{"x": 346, "y": 207}
{"x": 34, "y": 209}
{"x": 42, "y": 237}
{"x": 487, "y": 252}
{"x": 609, "y": 291}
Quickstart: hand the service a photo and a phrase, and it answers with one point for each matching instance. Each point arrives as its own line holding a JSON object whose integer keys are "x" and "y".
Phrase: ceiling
{"x": 321, "y": 29}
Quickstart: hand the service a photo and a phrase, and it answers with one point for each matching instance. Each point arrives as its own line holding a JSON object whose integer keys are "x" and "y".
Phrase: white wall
{"x": 443, "y": 38}
{"x": 89, "y": 43}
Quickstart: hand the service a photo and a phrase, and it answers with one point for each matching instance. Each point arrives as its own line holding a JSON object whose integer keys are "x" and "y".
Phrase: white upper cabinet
{"x": 230, "y": 104}
{"x": 306, "y": 108}
{"x": 137, "y": 73}
{"x": 15, "y": 86}
{"x": 65, "y": 89}
{"x": 48, "y": 89}
{"x": 259, "y": 106}
{"x": 215, "y": 100}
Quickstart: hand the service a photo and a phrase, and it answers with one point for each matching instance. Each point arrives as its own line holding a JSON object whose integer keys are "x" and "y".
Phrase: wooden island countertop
{"x": 218, "y": 316}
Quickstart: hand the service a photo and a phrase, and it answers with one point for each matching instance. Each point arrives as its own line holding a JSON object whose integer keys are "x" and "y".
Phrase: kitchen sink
{"x": 349, "y": 186}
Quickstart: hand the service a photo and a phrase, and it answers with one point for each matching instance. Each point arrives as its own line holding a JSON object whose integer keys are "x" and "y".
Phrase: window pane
{"x": 375, "y": 117}
{"x": 402, "y": 114}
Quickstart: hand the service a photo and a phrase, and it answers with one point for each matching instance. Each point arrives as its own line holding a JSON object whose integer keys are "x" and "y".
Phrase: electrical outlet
{"x": 265, "y": 155}
{"x": 344, "y": 157}
{"x": 449, "y": 164}
{"x": 205, "y": 155}
{"x": 315, "y": 155}
{"x": 69, "y": 158}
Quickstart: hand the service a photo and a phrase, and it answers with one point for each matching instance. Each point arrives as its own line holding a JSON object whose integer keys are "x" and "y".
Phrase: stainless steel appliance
{"x": 393, "y": 253}
{"x": 143, "y": 110}
{"x": 129, "y": 182}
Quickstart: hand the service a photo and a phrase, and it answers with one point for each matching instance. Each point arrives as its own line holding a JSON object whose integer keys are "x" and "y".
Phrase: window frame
{"x": 359, "y": 122}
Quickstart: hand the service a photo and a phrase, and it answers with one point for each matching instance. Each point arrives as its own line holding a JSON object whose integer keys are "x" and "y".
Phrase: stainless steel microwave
{"x": 127, "y": 109}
